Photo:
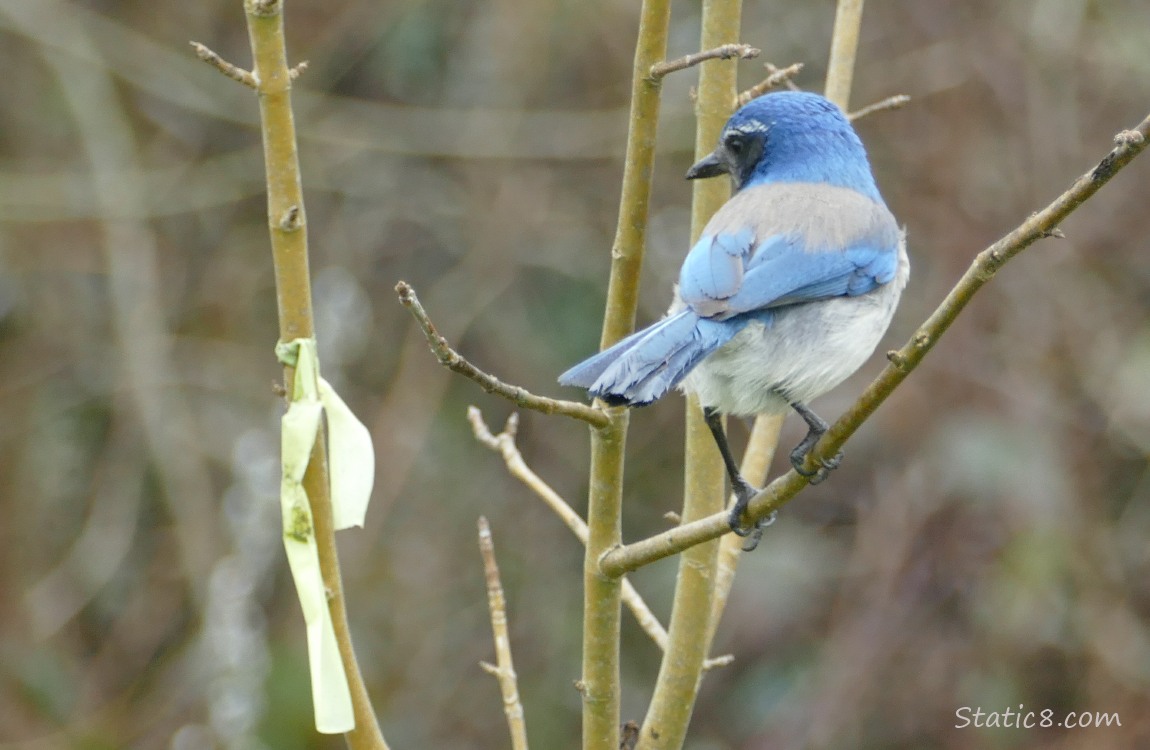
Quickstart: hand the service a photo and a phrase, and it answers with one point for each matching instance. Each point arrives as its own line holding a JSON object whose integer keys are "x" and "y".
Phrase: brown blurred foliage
{"x": 983, "y": 545}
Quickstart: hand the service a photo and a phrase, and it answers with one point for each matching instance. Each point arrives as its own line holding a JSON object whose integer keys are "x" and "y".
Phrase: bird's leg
{"x": 816, "y": 428}
{"x": 741, "y": 487}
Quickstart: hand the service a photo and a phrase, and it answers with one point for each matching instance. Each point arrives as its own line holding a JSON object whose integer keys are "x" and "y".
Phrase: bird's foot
{"x": 825, "y": 465}
{"x": 743, "y": 494}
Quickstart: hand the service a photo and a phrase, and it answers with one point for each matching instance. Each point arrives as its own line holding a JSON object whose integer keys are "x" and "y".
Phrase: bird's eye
{"x": 736, "y": 144}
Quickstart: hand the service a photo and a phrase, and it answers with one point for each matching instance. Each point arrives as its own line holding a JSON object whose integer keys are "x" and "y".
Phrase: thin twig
{"x": 504, "y": 669}
{"x": 723, "y": 52}
{"x": 775, "y": 77}
{"x": 787, "y": 82}
{"x": 455, "y": 362}
{"x": 234, "y": 72}
{"x": 898, "y": 101}
{"x": 1130, "y": 143}
{"x": 504, "y": 445}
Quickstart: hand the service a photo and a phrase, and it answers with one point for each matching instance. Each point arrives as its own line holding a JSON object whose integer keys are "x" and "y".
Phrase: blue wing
{"x": 729, "y": 274}
{"x": 748, "y": 262}
{"x": 645, "y": 365}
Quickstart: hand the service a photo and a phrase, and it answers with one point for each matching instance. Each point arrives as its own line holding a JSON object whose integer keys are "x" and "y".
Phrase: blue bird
{"x": 787, "y": 292}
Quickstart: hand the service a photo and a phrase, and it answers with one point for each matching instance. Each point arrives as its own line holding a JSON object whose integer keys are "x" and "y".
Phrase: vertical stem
{"x": 765, "y": 435}
{"x": 844, "y": 46}
{"x": 504, "y": 670}
{"x": 665, "y": 726}
{"x": 601, "y": 593}
{"x": 756, "y": 461}
{"x": 293, "y": 296}
{"x": 638, "y": 166}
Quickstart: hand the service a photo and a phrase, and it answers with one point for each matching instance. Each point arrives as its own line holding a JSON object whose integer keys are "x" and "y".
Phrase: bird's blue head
{"x": 789, "y": 136}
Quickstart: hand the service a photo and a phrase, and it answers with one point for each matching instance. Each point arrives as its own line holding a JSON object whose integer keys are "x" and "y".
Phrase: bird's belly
{"x": 797, "y": 354}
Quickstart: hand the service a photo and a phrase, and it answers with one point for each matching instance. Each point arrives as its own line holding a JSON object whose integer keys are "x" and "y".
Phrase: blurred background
{"x": 984, "y": 544}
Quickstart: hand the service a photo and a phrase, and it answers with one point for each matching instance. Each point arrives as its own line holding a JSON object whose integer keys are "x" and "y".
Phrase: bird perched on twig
{"x": 787, "y": 292}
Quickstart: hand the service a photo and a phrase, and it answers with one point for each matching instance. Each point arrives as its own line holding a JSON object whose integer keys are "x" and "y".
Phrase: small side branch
{"x": 504, "y": 670}
{"x": 775, "y": 77}
{"x": 724, "y": 52}
{"x": 234, "y": 72}
{"x": 455, "y": 362}
{"x": 504, "y": 445}
{"x": 898, "y": 101}
{"x": 1128, "y": 144}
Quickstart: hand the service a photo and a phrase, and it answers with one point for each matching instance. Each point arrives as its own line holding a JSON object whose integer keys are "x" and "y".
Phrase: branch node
{"x": 673, "y": 517}
{"x": 234, "y": 72}
{"x": 263, "y": 7}
{"x": 895, "y": 358}
{"x": 628, "y": 735}
{"x": 1128, "y": 138}
{"x": 292, "y": 219}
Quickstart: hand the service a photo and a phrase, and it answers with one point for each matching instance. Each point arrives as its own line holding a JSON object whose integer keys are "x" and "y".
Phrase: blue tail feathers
{"x": 644, "y": 366}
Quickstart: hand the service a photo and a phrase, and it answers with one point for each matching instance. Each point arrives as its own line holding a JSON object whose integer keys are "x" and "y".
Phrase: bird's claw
{"x": 820, "y": 472}
{"x": 743, "y": 494}
{"x": 755, "y": 532}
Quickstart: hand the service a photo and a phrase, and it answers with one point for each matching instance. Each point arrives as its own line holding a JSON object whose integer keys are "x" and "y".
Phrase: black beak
{"x": 709, "y": 166}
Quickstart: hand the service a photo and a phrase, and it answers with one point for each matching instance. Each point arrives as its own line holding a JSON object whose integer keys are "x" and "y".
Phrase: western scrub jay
{"x": 788, "y": 290}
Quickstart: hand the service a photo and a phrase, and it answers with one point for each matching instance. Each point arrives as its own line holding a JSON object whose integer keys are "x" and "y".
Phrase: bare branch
{"x": 504, "y": 444}
{"x": 234, "y": 72}
{"x": 1130, "y": 143}
{"x": 775, "y": 77}
{"x": 898, "y": 101}
{"x": 505, "y": 671}
{"x": 724, "y": 52}
{"x": 455, "y": 362}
